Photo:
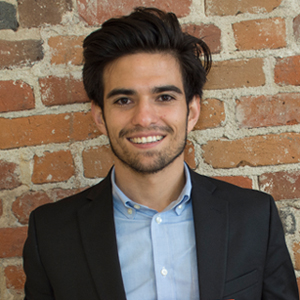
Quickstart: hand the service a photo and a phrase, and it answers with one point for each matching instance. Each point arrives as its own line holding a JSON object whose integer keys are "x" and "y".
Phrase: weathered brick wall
{"x": 248, "y": 133}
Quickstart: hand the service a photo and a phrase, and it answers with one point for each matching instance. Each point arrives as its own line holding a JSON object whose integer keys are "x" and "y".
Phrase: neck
{"x": 156, "y": 190}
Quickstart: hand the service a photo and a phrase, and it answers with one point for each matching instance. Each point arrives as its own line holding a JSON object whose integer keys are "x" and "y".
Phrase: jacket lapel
{"x": 102, "y": 257}
{"x": 211, "y": 229}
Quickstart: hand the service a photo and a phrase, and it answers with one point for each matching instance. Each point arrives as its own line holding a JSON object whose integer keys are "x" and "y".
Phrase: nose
{"x": 144, "y": 114}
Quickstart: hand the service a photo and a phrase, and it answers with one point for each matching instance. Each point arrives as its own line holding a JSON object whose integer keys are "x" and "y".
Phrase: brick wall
{"x": 248, "y": 133}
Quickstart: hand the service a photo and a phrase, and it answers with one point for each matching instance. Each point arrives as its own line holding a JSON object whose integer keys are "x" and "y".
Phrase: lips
{"x": 146, "y": 140}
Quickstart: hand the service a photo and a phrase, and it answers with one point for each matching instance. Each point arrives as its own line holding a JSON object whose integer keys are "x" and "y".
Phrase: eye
{"x": 165, "y": 98}
{"x": 123, "y": 101}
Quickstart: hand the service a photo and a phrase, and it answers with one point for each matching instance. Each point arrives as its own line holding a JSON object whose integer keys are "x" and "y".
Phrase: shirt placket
{"x": 162, "y": 258}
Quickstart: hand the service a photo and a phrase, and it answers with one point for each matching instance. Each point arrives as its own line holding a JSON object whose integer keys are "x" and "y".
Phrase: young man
{"x": 154, "y": 229}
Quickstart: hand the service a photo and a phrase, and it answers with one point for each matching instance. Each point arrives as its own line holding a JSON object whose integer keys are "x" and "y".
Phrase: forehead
{"x": 142, "y": 71}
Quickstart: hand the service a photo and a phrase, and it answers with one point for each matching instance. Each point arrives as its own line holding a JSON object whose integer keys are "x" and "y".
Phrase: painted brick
{"x": 95, "y": 12}
{"x": 34, "y": 13}
{"x": 25, "y": 204}
{"x": 235, "y": 7}
{"x": 212, "y": 114}
{"x": 260, "y": 34}
{"x": 273, "y": 149}
{"x": 12, "y": 241}
{"x": 53, "y": 167}
{"x": 65, "y": 90}
{"x": 20, "y": 53}
{"x": 287, "y": 71}
{"x": 1, "y": 207}
{"x": 15, "y": 277}
{"x": 15, "y": 95}
{"x": 296, "y": 27}
{"x": 281, "y": 185}
{"x": 45, "y": 129}
{"x": 9, "y": 178}
{"x": 97, "y": 161}
{"x": 236, "y": 73}
{"x": 66, "y": 49}
{"x": 8, "y": 17}
{"x": 280, "y": 109}
{"x": 210, "y": 34}
{"x": 241, "y": 181}
{"x": 189, "y": 155}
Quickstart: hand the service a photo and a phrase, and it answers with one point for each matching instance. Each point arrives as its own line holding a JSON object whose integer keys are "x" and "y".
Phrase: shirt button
{"x": 158, "y": 220}
{"x": 129, "y": 210}
{"x": 136, "y": 206}
{"x": 164, "y": 272}
{"x": 180, "y": 206}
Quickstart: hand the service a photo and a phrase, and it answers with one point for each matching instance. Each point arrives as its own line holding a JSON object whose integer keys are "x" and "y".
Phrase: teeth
{"x": 148, "y": 139}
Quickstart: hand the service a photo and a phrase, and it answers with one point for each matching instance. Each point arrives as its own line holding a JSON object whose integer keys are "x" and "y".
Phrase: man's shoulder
{"x": 74, "y": 202}
{"x": 228, "y": 191}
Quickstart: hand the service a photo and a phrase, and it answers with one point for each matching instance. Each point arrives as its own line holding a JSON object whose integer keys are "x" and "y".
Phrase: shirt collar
{"x": 178, "y": 205}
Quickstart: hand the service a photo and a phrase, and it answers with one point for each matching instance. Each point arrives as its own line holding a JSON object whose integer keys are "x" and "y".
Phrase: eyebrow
{"x": 155, "y": 90}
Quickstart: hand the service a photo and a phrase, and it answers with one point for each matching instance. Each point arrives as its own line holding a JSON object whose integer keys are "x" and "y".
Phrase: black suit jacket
{"x": 71, "y": 250}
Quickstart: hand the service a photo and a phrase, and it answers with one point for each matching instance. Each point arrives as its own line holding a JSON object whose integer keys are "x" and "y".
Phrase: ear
{"x": 194, "y": 112}
{"x": 98, "y": 117}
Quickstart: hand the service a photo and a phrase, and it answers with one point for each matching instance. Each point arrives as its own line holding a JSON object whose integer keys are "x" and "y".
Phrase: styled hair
{"x": 145, "y": 30}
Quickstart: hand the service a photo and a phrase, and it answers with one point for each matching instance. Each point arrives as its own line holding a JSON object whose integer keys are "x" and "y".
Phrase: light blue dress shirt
{"x": 157, "y": 251}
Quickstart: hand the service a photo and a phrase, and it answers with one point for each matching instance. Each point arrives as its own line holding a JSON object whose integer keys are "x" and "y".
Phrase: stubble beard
{"x": 161, "y": 159}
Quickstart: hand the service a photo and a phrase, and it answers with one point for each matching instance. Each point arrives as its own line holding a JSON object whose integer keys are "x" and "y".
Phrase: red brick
{"x": 97, "y": 161}
{"x": 44, "y": 129}
{"x": 281, "y": 185}
{"x": 296, "y": 250}
{"x": 12, "y": 241}
{"x": 33, "y": 13}
{"x": 234, "y": 7}
{"x": 273, "y": 149}
{"x": 53, "y": 167}
{"x": 280, "y": 109}
{"x": 9, "y": 178}
{"x": 66, "y": 49}
{"x": 260, "y": 34}
{"x": 15, "y": 277}
{"x": 210, "y": 34}
{"x": 189, "y": 155}
{"x": 15, "y": 95}
{"x": 212, "y": 114}
{"x": 58, "y": 91}
{"x": 236, "y": 73}
{"x": 241, "y": 181}
{"x": 287, "y": 71}
{"x": 296, "y": 27}
{"x": 20, "y": 53}
{"x": 25, "y": 204}
{"x": 96, "y": 12}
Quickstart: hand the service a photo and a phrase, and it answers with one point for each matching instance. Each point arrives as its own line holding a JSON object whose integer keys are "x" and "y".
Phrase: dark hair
{"x": 147, "y": 30}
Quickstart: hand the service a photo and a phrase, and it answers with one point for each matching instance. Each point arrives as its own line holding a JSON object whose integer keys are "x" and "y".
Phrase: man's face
{"x": 145, "y": 111}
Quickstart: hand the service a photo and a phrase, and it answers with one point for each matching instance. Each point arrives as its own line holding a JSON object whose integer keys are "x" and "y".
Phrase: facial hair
{"x": 161, "y": 159}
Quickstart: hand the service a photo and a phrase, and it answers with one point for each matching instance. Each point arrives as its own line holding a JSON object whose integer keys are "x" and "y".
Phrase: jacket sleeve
{"x": 279, "y": 276}
{"x": 37, "y": 285}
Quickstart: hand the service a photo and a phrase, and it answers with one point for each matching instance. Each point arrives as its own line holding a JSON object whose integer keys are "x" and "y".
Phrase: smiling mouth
{"x": 146, "y": 140}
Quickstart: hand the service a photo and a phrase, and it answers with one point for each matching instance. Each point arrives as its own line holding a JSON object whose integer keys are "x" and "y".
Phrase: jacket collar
{"x": 98, "y": 236}
{"x": 211, "y": 230}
